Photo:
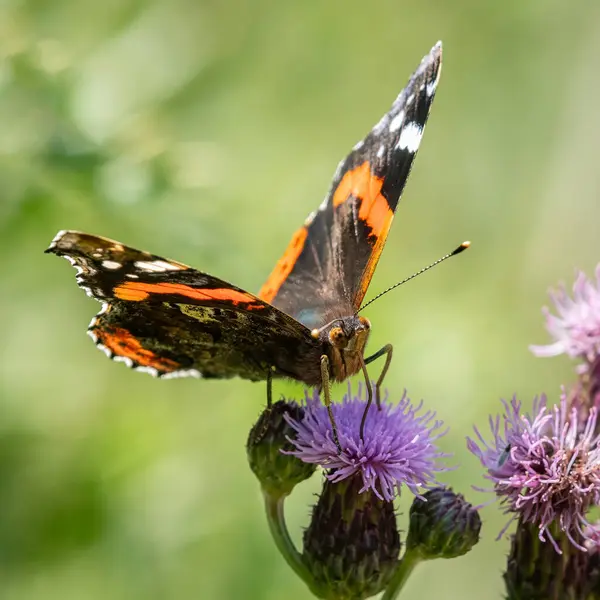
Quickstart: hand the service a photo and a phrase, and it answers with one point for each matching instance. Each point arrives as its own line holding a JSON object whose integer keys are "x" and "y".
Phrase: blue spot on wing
{"x": 310, "y": 317}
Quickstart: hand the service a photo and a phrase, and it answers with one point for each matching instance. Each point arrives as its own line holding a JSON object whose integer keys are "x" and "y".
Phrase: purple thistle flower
{"x": 398, "y": 446}
{"x": 546, "y": 468}
{"x": 576, "y": 328}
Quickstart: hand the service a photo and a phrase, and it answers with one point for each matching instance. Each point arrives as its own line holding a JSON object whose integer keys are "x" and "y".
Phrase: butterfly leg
{"x": 388, "y": 350}
{"x": 327, "y": 397}
{"x": 363, "y": 366}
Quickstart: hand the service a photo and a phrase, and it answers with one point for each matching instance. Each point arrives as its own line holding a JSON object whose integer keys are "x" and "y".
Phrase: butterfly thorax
{"x": 344, "y": 341}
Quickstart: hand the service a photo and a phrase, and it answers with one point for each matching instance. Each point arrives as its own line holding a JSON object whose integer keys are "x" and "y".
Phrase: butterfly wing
{"x": 165, "y": 318}
{"x": 328, "y": 265}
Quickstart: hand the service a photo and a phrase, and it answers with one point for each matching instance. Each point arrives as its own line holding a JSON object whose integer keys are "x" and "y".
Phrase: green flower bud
{"x": 278, "y": 473}
{"x": 352, "y": 544}
{"x": 443, "y": 525}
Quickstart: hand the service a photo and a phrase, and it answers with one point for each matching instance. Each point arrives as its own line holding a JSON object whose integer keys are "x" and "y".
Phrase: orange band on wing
{"x": 121, "y": 343}
{"x": 367, "y": 274}
{"x": 366, "y": 187}
{"x": 137, "y": 291}
{"x": 284, "y": 266}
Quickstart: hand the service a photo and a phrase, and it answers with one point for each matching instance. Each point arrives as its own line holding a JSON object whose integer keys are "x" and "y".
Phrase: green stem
{"x": 281, "y": 537}
{"x": 409, "y": 561}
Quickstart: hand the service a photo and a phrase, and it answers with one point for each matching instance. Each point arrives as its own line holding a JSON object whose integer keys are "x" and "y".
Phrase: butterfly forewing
{"x": 328, "y": 265}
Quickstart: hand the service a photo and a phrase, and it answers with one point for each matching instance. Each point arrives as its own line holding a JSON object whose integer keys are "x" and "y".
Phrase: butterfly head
{"x": 348, "y": 334}
{"x": 344, "y": 342}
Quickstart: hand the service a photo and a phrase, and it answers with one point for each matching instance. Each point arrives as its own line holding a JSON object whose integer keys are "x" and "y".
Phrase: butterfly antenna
{"x": 454, "y": 252}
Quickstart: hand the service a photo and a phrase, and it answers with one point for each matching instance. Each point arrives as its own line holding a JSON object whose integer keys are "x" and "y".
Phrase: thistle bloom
{"x": 545, "y": 468}
{"x": 576, "y": 328}
{"x": 398, "y": 446}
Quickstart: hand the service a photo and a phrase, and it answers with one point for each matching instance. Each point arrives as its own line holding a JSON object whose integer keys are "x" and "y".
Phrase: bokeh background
{"x": 207, "y": 131}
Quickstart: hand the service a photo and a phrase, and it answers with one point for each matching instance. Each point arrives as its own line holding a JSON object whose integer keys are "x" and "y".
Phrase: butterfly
{"x": 170, "y": 320}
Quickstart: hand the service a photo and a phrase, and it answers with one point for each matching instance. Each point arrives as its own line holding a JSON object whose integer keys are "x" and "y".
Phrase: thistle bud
{"x": 442, "y": 525}
{"x": 352, "y": 544}
{"x": 277, "y": 472}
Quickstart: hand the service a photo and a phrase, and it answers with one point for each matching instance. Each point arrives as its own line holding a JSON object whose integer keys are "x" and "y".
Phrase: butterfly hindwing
{"x": 168, "y": 319}
{"x": 328, "y": 265}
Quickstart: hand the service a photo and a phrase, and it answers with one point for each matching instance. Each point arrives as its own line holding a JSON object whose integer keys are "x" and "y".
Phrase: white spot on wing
{"x": 184, "y": 373}
{"x": 358, "y": 145}
{"x": 124, "y": 359}
{"x": 56, "y": 239}
{"x": 168, "y": 266}
{"x": 91, "y": 333}
{"x": 431, "y": 87}
{"x": 381, "y": 151}
{"x": 410, "y": 99}
{"x": 410, "y": 138}
{"x": 105, "y": 350}
{"x": 310, "y": 218}
{"x": 152, "y": 371}
{"x": 111, "y": 265}
{"x": 132, "y": 275}
{"x": 156, "y": 266}
{"x": 397, "y": 122}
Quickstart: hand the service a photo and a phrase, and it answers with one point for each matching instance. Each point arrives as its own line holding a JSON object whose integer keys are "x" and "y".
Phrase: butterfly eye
{"x": 336, "y": 336}
{"x": 365, "y": 322}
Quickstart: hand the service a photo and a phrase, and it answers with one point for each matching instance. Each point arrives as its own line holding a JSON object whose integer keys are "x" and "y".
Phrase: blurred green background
{"x": 206, "y": 132}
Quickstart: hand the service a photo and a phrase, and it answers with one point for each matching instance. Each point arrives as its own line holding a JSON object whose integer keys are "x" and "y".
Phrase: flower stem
{"x": 281, "y": 537}
{"x": 409, "y": 561}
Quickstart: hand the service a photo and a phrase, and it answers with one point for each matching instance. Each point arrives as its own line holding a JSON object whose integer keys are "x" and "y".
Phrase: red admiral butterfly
{"x": 169, "y": 320}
